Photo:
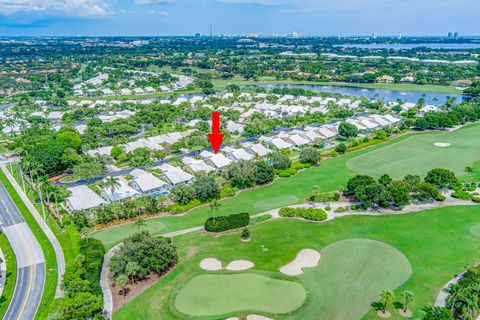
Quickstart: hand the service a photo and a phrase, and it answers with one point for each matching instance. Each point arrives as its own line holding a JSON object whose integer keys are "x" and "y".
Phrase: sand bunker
{"x": 257, "y": 317}
{"x": 239, "y": 265}
{"x": 441, "y": 144}
{"x": 211, "y": 264}
{"x": 306, "y": 258}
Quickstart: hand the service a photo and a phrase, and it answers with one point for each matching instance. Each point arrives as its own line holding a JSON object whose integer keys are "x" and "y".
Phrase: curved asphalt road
{"x": 30, "y": 261}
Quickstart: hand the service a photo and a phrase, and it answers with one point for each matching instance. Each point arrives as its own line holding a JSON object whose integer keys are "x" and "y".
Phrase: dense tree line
{"x": 387, "y": 193}
{"x": 81, "y": 285}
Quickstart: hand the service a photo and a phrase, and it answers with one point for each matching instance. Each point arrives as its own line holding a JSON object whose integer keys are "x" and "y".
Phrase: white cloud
{"x": 71, "y": 8}
{"x": 265, "y": 2}
{"x": 160, "y": 13}
{"x": 153, "y": 1}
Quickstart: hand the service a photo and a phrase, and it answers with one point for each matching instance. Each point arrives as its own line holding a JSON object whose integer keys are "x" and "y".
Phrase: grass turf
{"x": 11, "y": 264}
{"x": 437, "y": 244}
{"x": 349, "y": 277}
{"x": 217, "y": 294}
{"x": 418, "y": 154}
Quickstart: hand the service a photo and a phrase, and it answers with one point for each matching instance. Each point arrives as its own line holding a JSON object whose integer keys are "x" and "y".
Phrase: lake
{"x": 432, "y": 98}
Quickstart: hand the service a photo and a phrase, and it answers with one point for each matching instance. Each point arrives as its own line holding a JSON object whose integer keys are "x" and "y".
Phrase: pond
{"x": 432, "y": 98}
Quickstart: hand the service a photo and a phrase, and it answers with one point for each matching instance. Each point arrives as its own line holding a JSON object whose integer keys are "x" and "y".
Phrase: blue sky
{"x": 186, "y": 17}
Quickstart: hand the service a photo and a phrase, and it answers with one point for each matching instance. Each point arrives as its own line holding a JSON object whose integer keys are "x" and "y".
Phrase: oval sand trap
{"x": 306, "y": 258}
{"x": 211, "y": 264}
{"x": 257, "y": 317}
{"x": 239, "y": 265}
{"x": 441, "y": 144}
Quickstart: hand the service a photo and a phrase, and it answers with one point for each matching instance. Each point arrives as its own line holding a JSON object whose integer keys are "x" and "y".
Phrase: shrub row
{"x": 224, "y": 223}
{"x": 459, "y": 194}
{"x": 305, "y": 213}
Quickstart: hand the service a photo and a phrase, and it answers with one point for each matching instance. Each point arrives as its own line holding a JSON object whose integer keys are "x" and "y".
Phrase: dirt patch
{"x": 133, "y": 290}
{"x": 405, "y": 314}
{"x": 385, "y": 314}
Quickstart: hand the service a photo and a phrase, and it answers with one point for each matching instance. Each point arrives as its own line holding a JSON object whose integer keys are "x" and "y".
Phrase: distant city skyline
{"x": 188, "y": 17}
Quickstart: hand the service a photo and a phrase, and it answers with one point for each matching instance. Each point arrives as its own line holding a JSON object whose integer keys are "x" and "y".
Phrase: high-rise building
{"x": 400, "y": 36}
{"x": 450, "y": 34}
{"x": 374, "y": 35}
{"x": 455, "y": 35}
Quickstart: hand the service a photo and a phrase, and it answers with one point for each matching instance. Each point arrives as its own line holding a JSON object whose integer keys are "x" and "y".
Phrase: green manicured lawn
{"x": 350, "y": 276}
{"x": 49, "y": 253}
{"x": 435, "y": 244}
{"x": 418, "y": 154}
{"x": 11, "y": 264}
{"x": 215, "y": 295}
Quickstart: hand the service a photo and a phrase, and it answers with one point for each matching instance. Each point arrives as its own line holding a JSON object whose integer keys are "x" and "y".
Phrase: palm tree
{"x": 122, "y": 281}
{"x": 58, "y": 193}
{"x": 387, "y": 297}
{"x": 468, "y": 171}
{"x": 36, "y": 169}
{"x": 407, "y": 297}
{"x": 112, "y": 183}
{"x": 140, "y": 223}
{"x": 214, "y": 207}
{"x": 43, "y": 181}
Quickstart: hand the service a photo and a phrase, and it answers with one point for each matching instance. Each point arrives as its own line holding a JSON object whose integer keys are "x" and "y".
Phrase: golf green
{"x": 418, "y": 154}
{"x": 349, "y": 277}
{"x": 214, "y": 295}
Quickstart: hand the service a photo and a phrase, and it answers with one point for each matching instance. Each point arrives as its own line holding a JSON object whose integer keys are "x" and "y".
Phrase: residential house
{"x": 121, "y": 192}
{"x": 83, "y": 198}
{"x": 146, "y": 183}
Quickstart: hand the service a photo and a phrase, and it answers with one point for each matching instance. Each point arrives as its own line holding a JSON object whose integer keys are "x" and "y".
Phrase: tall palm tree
{"x": 387, "y": 297}
{"x": 407, "y": 297}
{"x": 36, "y": 169}
{"x": 43, "y": 181}
{"x": 58, "y": 193}
{"x": 468, "y": 171}
{"x": 140, "y": 223}
{"x": 214, "y": 207}
{"x": 112, "y": 183}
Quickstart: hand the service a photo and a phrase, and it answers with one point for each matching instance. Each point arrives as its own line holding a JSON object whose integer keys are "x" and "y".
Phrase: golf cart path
{"x": 449, "y": 201}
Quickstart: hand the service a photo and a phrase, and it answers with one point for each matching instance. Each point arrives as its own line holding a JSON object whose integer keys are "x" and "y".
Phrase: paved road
{"x": 45, "y": 228}
{"x": 30, "y": 261}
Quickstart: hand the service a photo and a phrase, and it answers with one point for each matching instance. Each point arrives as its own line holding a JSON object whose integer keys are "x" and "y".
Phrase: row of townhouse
{"x": 142, "y": 183}
{"x": 309, "y": 135}
{"x": 152, "y": 143}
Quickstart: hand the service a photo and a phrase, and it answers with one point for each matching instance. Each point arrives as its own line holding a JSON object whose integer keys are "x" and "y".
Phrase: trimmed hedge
{"x": 224, "y": 223}
{"x": 305, "y": 213}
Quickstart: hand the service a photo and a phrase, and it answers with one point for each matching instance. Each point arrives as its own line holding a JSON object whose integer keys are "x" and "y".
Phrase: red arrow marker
{"x": 215, "y": 137}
